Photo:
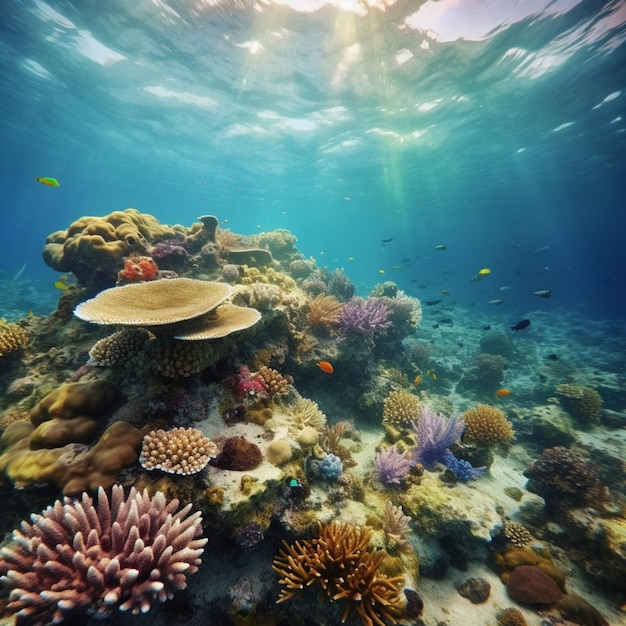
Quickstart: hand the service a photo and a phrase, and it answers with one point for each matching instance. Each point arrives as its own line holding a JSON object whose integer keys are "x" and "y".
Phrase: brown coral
{"x": 176, "y": 451}
{"x": 12, "y": 337}
{"x": 276, "y": 383}
{"x": 341, "y": 564}
{"x": 180, "y": 359}
{"x": 324, "y": 311}
{"x": 583, "y": 403}
{"x": 486, "y": 425}
{"x": 77, "y": 557}
{"x": 401, "y": 408}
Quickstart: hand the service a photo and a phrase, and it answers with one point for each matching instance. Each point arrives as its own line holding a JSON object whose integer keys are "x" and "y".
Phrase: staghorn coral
{"x": 176, "y": 451}
{"x": 583, "y": 403}
{"x": 486, "y": 425}
{"x": 77, "y": 558}
{"x": 12, "y": 337}
{"x": 564, "y": 479}
{"x": 324, "y": 312}
{"x": 396, "y": 528}
{"x": 401, "y": 407}
{"x": 119, "y": 347}
{"x": 341, "y": 565}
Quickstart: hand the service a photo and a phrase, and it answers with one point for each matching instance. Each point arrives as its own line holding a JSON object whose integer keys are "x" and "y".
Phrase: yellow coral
{"x": 277, "y": 384}
{"x": 12, "y": 337}
{"x": 267, "y": 275}
{"x": 486, "y": 425}
{"x": 401, "y": 408}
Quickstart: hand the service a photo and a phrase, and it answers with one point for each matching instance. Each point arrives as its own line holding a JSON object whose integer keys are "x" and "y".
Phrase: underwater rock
{"x": 476, "y": 590}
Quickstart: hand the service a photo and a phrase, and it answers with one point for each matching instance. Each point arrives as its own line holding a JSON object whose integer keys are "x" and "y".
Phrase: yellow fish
{"x": 60, "y": 285}
{"x": 484, "y": 271}
{"x": 432, "y": 374}
{"x": 350, "y": 258}
{"x": 46, "y": 180}
{"x": 417, "y": 380}
{"x": 381, "y": 271}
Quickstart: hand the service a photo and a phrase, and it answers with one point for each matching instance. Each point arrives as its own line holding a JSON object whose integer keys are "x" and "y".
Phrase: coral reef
{"x": 81, "y": 558}
{"x": 342, "y": 566}
{"x": 118, "y": 348}
{"x": 324, "y": 312}
{"x": 176, "y": 451}
{"x": 401, "y": 407}
{"x": 239, "y": 454}
{"x": 435, "y": 434}
{"x": 486, "y": 426}
{"x": 365, "y": 317}
{"x": 12, "y": 337}
{"x": 583, "y": 403}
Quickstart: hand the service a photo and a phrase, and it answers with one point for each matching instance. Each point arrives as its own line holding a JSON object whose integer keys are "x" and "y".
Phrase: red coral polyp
{"x": 138, "y": 268}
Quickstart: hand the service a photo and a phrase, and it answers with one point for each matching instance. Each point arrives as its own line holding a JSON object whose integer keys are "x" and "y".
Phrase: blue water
{"x": 496, "y": 128}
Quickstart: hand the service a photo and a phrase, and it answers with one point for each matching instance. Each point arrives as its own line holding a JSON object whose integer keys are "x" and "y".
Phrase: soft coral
{"x": 138, "y": 268}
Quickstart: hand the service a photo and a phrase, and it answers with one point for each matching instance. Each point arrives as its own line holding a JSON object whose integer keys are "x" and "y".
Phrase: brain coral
{"x": 401, "y": 408}
{"x": 486, "y": 425}
{"x": 92, "y": 248}
{"x": 78, "y": 558}
{"x": 176, "y": 451}
{"x": 12, "y": 337}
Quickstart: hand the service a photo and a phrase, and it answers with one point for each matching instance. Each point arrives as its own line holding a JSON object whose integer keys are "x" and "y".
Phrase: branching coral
{"x": 364, "y": 317}
{"x": 78, "y": 558}
{"x": 342, "y": 566}
{"x": 486, "y": 425}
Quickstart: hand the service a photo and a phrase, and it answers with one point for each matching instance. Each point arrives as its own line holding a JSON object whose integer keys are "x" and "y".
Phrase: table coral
{"x": 92, "y": 248}
{"x": 80, "y": 558}
{"x": 176, "y": 451}
{"x": 12, "y": 337}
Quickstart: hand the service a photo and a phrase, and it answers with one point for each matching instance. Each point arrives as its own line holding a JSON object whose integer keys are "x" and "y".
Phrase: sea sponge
{"x": 486, "y": 425}
{"x": 239, "y": 454}
{"x": 12, "y": 337}
{"x": 176, "y": 451}
{"x": 401, "y": 407}
{"x": 278, "y": 452}
{"x": 92, "y": 248}
{"x": 530, "y": 585}
{"x": 583, "y": 403}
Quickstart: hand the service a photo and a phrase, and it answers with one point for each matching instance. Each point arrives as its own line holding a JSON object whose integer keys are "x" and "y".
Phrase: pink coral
{"x": 79, "y": 558}
{"x": 247, "y": 384}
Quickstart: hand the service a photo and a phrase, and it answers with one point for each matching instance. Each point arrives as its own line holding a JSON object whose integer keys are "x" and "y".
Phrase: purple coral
{"x": 366, "y": 317}
{"x": 79, "y": 558}
{"x": 391, "y": 466}
{"x": 435, "y": 434}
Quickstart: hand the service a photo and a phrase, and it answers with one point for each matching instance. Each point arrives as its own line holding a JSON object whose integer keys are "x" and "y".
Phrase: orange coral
{"x": 343, "y": 564}
{"x": 486, "y": 425}
{"x": 137, "y": 268}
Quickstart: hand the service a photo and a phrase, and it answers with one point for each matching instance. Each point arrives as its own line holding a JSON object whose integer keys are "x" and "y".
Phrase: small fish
{"x": 59, "y": 284}
{"x": 405, "y": 260}
{"x": 435, "y": 325}
{"x": 432, "y": 302}
{"x": 487, "y": 327}
{"x": 386, "y": 240}
{"x": 46, "y": 180}
{"x": 441, "y": 246}
{"x": 506, "y": 288}
{"x": 30, "y": 313}
{"x": 417, "y": 380}
{"x": 326, "y": 367}
{"x": 484, "y": 271}
{"x": 432, "y": 374}
{"x": 446, "y": 320}
{"x": 496, "y": 302}
{"x": 552, "y": 357}
{"x": 542, "y": 249}
{"x": 350, "y": 258}
{"x": 444, "y": 292}
{"x": 521, "y": 325}
{"x": 501, "y": 393}
{"x": 543, "y": 293}
{"x": 475, "y": 277}
{"x": 381, "y": 271}
{"x": 396, "y": 267}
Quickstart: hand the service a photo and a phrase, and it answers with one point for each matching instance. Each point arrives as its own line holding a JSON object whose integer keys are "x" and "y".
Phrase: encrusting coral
{"x": 341, "y": 565}
{"x": 176, "y": 451}
{"x": 79, "y": 558}
{"x": 12, "y": 337}
{"x": 486, "y": 426}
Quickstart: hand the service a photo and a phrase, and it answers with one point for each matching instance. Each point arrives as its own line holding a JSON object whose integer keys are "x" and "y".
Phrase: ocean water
{"x": 471, "y": 151}
{"x": 492, "y": 127}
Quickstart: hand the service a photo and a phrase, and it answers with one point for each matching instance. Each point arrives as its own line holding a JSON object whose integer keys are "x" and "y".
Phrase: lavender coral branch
{"x": 78, "y": 558}
{"x": 391, "y": 466}
{"x": 364, "y": 316}
{"x": 435, "y": 434}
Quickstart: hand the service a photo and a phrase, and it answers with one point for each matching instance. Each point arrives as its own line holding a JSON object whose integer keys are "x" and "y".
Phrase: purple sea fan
{"x": 364, "y": 316}
{"x": 391, "y": 466}
{"x": 435, "y": 434}
{"x": 79, "y": 558}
